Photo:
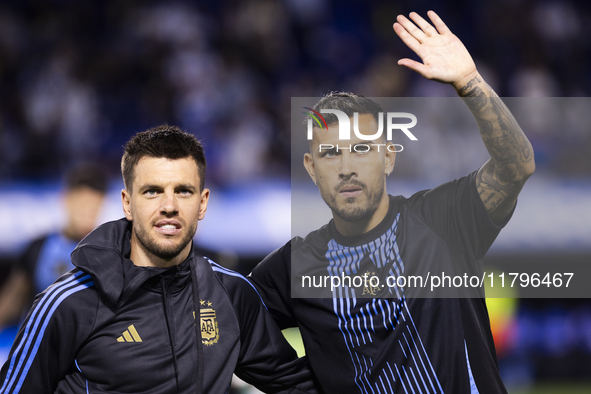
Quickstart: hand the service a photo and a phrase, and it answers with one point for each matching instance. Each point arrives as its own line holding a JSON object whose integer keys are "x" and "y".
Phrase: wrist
{"x": 467, "y": 83}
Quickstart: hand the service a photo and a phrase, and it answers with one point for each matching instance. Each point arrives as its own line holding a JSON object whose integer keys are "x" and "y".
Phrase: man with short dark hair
{"x": 383, "y": 339}
{"x": 142, "y": 312}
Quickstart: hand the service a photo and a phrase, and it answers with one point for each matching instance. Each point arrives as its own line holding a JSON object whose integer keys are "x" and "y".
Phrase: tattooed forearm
{"x": 485, "y": 126}
{"x": 471, "y": 89}
{"x": 508, "y": 146}
{"x": 500, "y": 180}
{"x": 475, "y": 103}
{"x": 474, "y": 95}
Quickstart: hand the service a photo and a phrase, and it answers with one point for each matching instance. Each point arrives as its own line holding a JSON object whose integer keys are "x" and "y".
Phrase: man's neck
{"x": 359, "y": 227}
{"x": 71, "y": 235}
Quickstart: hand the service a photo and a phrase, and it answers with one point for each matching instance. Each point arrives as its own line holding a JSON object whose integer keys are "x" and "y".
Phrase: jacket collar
{"x": 104, "y": 255}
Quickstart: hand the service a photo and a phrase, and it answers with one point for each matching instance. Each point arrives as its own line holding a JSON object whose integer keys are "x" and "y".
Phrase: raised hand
{"x": 445, "y": 58}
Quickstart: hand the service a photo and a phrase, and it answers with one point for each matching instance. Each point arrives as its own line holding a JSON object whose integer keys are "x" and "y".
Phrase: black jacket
{"x": 109, "y": 326}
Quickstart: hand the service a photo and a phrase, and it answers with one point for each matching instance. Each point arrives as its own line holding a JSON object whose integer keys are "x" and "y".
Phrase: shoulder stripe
{"x": 77, "y": 366}
{"x": 30, "y": 321}
{"x": 27, "y": 348}
{"x": 218, "y": 268}
{"x": 473, "y": 388}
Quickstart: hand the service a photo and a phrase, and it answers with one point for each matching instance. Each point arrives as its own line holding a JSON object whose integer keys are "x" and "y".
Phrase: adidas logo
{"x": 130, "y": 335}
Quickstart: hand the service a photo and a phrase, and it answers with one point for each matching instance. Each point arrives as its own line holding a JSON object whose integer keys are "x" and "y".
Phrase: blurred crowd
{"x": 77, "y": 78}
{"x": 548, "y": 340}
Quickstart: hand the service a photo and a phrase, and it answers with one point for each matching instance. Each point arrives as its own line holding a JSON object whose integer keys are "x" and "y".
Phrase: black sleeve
{"x": 266, "y": 359}
{"x": 456, "y": 213}
{"x": 45, "y": 347}
{"x": 28, "y": 260}
{"x": 271, "y": 277}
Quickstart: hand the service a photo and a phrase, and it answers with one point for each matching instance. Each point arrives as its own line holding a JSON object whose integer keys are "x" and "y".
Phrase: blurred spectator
{"x": 48, "y": 257}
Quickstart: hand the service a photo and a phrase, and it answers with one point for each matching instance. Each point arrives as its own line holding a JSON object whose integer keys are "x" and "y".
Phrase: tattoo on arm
{"x": 500, "y": 180}
{"x": 470, "y": 89}
{"x": 498, "y": 198}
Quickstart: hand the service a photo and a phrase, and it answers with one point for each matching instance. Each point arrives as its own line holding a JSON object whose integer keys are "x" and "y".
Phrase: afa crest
{"x": 369, "y": 289}
{"x": 210, "y": 332}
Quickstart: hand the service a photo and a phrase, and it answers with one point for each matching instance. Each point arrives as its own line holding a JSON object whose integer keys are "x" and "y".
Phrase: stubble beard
{"x": 163, "y": 252}
{"x": 349, "y": 211}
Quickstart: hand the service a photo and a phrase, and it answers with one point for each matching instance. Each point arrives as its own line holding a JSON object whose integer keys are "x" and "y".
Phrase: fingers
{"x": 411, "y": 29}
{"x": 441, "y": 27}
{"x": 424, "y": 29}
{"x": 423, "y": 24}
{"x": 409, "y": 40}
{"x": 417, "y": 67}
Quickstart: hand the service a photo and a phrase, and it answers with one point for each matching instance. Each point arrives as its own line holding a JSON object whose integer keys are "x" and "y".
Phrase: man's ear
{"x": 390, "y": 158}
{"x": 204, "y": 201}
{"x": 126, "y": 202}
{"x": 309, "y": 165}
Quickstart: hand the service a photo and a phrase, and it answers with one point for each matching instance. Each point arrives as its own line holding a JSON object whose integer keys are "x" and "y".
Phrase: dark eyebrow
{"x": 158, "y": 187}
{"x": 149, "y": 187}
{"x": 186, "y": 186}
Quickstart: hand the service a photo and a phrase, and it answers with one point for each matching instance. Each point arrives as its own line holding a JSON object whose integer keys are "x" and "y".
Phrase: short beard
{"x": 354, "y": 213}
{"x": 162, "y": 252}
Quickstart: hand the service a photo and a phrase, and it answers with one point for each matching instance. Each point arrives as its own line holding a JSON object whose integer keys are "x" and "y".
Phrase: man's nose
{"x": 169, "y": 203}
{"x": 346, "y": 169}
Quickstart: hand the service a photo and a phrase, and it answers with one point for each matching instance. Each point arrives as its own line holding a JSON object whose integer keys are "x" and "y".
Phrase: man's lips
{"x": 168, "y": 227}
{"x": 350, "y": 191}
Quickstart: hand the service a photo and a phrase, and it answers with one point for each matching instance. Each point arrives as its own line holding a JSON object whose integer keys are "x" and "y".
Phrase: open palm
{"x": 445, "y": 58}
